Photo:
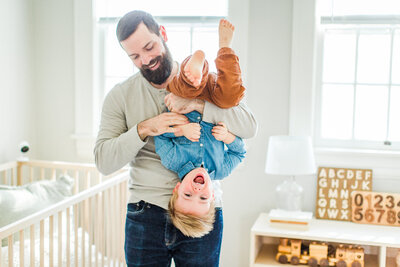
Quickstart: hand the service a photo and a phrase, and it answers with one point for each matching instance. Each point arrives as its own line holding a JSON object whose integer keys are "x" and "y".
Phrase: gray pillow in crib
{"x": 17, "y": 202}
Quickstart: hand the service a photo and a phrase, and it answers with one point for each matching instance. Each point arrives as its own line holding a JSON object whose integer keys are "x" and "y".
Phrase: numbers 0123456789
{"x": 375, "y": 208}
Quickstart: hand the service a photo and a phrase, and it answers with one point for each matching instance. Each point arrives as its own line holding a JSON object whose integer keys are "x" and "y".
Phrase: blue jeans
{"x": 152, "y": 240}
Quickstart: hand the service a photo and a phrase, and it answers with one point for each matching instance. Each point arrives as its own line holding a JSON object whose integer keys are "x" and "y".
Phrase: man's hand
{"x": 161, "y": 124}
{"x": 182, "y": 105}
{"x": 191, "y": 131}
{"x": 221, "y": 133}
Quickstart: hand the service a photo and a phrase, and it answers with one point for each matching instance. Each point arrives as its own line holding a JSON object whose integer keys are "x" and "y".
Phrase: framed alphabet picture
{"x": 334, "y": 188}
{"x": 375, "y": 208}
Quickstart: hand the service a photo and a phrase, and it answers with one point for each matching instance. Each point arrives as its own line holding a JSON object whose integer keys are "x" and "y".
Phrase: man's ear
{"x": 163, "y": 33}
{"x": 176, "y": 187}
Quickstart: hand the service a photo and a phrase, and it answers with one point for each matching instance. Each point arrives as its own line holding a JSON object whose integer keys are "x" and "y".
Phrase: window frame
{"x": 393, "y": 24}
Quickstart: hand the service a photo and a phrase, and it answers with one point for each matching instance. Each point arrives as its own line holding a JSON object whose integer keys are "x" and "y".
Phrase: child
{"x": 225, "y": 89}
{"x": 198, "y": 153}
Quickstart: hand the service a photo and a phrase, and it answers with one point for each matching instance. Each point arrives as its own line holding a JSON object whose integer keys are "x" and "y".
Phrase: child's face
{"x": 195, "y": 193}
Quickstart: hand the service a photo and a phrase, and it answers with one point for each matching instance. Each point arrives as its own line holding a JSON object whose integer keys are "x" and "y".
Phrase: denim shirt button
{"x": 201, "y": 144}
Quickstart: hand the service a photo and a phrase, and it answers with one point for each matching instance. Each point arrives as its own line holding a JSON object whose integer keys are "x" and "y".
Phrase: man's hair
{"x": 191, "y": 225}
{"x": 130, "y": 21}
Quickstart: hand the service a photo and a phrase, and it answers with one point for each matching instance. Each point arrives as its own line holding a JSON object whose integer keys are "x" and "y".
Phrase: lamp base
{"x": 289, "y": 195}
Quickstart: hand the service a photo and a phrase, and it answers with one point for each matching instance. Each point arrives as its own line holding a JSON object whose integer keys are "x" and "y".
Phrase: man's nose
{"x": 146, "y": 60}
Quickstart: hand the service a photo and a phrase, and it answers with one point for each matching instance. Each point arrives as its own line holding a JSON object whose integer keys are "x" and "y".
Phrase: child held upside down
{"x": 196, "y": 152}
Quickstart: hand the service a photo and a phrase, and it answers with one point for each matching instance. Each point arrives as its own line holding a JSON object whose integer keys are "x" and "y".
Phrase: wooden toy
{"x": 319, "y": 254}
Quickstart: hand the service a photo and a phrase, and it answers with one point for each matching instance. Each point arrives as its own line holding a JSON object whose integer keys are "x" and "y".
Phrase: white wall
{"x": 17, "y": 100}
{"x": 37, "y": 70}
{"x": 54, "y": 78}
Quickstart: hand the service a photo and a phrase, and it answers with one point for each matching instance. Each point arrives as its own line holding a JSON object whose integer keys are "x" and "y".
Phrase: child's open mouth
{"x": 199, "y": 179}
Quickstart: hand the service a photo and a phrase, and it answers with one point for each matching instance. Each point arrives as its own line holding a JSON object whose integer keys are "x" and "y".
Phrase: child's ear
{"x": 163, "y": 33}
{"x": 176, "y": 187}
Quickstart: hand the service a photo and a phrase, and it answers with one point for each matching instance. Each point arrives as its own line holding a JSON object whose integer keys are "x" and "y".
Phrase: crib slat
{"x": 90, "y": 229}
{"x": 42, "y": 173}
{"x": 76, "y": 215}
{"x": 21, "y": 248}
{"x": 113, "y": 226}
{"x": 31, "y": 174}
{"x": 68, "y": 244}
{"x": 76, "y": 184}
{"x": 82, "y": 224}
{"x": 101, "y": 236}
{"x": 107, "y": 228}
{"x": 51, "y": 241}
{"x": 10, "y": 251}
{"x": 96, "y": 229}
{"x": 1, "y": 260}
{"x": 19, "y": 174}
{"x": 53, "y": 174}
{"x": 42, "y": 243}
{"x": 60, "y": 238}
{"x": 32, "y": 233}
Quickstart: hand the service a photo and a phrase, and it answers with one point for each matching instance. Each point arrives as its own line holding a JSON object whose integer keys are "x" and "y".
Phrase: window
{"x": 358, "y": 87}
{"x": 189, "y": 25}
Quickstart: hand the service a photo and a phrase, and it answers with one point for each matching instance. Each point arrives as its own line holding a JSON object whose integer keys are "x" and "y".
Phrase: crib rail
{"x": 88, "y": 225}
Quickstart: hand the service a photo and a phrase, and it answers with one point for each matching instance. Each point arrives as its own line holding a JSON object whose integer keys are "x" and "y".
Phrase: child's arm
{"x": 221, "y": 133}
{"x": 235, "y": 153}
{"x": 191, "y": 131}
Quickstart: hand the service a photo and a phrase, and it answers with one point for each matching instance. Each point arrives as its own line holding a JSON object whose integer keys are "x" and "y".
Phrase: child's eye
{"x": 188, "y": 195}
{"x": 203, "y": 198}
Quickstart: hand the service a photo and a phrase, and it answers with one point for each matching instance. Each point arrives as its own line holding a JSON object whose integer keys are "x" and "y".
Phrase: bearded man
{"x": 133, "y": 113}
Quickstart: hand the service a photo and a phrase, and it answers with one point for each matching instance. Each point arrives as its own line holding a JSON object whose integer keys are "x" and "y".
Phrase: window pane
{"x": 117, "y": 8}
{"x": 206, "y": 39}
{"x": 178, "y": 41}
{"x": 339, "y": 56}
{"x": 373, "y": 58}
{"x": 394, "y": 123}
{"x": 396, "y": 58}
{"x": 117, "y": 63}
{"x": 371, "y": 113}
{"x": 337, "y": 111}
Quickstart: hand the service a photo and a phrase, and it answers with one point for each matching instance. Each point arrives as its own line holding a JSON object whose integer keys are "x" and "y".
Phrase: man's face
{"x": 149, "y": 53}
{"x": 195, "y": 193}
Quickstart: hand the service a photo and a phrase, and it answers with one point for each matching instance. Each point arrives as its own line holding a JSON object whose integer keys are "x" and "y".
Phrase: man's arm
{"x": 239, "y": 119}
{"x": 116, "y": 145}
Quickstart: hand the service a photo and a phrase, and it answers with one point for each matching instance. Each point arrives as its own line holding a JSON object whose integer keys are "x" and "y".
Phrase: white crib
{"x": 86, "y": 229}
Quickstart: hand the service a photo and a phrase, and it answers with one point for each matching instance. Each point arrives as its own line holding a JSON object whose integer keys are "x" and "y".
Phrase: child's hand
{"x": 221, "y": 133}
{"x": 191, "y": 131}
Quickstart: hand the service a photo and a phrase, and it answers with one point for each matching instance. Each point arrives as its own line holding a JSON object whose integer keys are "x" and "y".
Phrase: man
{"x": 135, "y": 111}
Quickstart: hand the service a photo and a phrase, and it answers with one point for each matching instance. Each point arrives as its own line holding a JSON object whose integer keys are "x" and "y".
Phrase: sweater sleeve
{"x": 239, "y": 119}
{"x": 116, "y": 145}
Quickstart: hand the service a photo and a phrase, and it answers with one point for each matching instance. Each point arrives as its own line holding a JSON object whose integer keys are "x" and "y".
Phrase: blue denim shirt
{"x": 181, "y": 155}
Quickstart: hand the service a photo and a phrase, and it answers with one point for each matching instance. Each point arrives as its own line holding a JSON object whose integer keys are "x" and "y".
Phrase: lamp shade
{"x": 290, "y": 155}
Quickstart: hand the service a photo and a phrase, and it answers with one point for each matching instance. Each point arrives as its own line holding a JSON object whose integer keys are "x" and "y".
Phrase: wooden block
{"x": 376, "y": 208}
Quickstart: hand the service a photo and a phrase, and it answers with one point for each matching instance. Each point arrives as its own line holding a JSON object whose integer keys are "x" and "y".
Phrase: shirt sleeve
{"x": 232, "y": 157}
{"x": 239, "y": 120}
{"x": 116, "y": 145}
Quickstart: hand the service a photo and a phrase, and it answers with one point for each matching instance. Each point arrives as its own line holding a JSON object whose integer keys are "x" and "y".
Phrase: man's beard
{"x": 161, "y": 74}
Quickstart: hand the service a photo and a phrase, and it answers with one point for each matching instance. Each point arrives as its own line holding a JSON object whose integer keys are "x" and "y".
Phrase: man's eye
{"x": 149, "y": 48}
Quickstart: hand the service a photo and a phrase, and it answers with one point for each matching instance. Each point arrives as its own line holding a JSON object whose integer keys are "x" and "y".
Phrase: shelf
{"x": 380, "y": 243}
{"x": 266, "y": 258}
{"x": 334, "y": 231}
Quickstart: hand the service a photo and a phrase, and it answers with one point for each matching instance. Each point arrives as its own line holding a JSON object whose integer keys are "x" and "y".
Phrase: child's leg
{"x": 194, "y": 68}
{"x": 228, "y": 90}
{"x": 191, "y": 81}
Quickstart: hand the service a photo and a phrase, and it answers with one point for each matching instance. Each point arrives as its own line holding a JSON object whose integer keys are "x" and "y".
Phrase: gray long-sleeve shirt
{"x": 118, "y": 142}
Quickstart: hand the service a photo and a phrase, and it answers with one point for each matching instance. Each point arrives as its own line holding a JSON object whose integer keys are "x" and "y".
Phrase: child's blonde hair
{"x": 191, "y": 225}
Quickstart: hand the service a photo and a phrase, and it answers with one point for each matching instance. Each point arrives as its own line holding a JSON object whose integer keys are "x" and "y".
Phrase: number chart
{"x": 375, "y": 208}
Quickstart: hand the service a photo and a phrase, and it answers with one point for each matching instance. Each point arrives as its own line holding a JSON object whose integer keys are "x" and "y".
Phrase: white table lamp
{"x": 290, "y": 156}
